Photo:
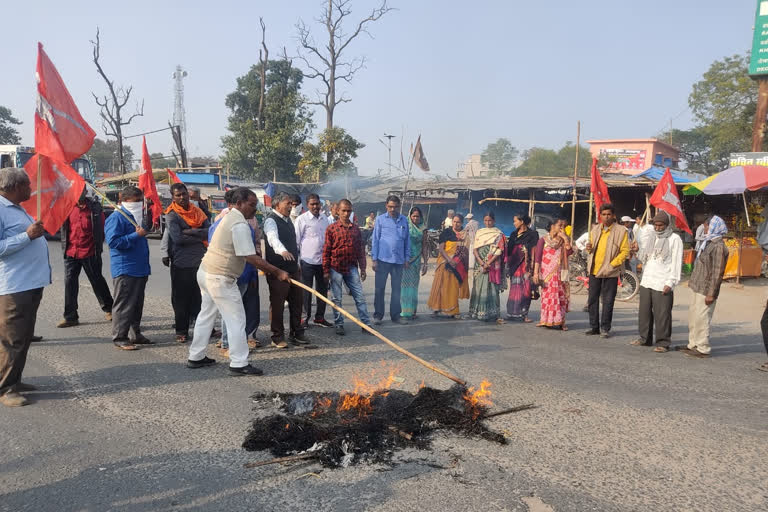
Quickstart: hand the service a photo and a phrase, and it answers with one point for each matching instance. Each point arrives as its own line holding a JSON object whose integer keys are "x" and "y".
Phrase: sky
{"x": 461, "y": 74}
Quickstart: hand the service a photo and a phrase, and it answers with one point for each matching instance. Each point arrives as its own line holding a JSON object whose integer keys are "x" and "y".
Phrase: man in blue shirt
{"x": 390, "y": 252}
{"x": 129, "y": 255}
{"x": 24, "y": 271}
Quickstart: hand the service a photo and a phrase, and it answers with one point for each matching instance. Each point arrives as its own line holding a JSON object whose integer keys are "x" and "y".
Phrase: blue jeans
{"x": 383, "y": 270}
{"x": 352, "y": 279}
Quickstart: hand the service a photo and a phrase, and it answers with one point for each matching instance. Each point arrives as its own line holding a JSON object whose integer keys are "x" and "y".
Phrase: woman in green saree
{"x": 417, "y": 265}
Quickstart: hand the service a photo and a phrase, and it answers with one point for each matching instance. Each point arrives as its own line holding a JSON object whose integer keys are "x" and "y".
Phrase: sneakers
{"x": 13, "y": 399}
{"x": 108, "y": 316}
{"x": 402, "y": 321}
{"x": 67, "y": 323}
{"x": 340, "y": 330}
{"x": 299, "y": 339}
{"x": 377, "y": 321}
{"x": 245, "y": 370}
{"x": 322, "y": 322}
{"x": 279, "y": 344}
{"x": 206, "y": 361}
{"x": 366, "y": 332}
{"x": 605, "y": 334}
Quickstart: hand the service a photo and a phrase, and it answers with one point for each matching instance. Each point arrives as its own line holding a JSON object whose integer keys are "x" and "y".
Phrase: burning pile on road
{"x": 368, "y": 423}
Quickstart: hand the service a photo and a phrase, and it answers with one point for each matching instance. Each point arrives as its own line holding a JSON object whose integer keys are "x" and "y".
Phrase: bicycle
{"x": 629, "y": 283}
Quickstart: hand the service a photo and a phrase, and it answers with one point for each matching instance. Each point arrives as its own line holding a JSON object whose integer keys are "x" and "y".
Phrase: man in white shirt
{"x": 662, "y": 258}
{"x": 310, "y": 238}
{"x": 282, "y": 251}
{"x": 230, "y": 248}
{"x": 448, "y": 222}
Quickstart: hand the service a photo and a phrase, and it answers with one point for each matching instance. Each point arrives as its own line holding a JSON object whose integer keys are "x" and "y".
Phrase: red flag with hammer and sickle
{"x": 665, "y": 198}
{"x": 61, "y": 135}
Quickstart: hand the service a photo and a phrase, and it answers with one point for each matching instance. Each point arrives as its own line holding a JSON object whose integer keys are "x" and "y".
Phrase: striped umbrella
{"x": 734, "y": 180}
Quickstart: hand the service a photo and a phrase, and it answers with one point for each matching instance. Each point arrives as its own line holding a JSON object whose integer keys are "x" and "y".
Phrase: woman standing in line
{"x": 417, "y": 266}
{"x": 522, "y": 243}
{"x": 490, "y": 249}
{"x": 450, "y": 282}
{"x": 551, "y": 265}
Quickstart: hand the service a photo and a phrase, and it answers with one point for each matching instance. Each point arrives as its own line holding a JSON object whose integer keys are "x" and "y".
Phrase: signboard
{"x": 737, "y": 159}
{"x": 624, "y": 159}
{"x": 758, "y": 62}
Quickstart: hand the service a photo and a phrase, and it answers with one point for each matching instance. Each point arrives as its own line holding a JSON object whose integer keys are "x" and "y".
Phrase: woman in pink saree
{"x": 550, "y": 273}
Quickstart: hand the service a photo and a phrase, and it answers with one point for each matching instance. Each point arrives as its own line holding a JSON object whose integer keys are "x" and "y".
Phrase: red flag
{"x": 665, "y": 198}
{"x": 418, "y": 156}
{"x": 174, "y": 177}
{"x": 598, "y": 187}
{"x": 147, "y": 182}
{"x": 60, "y": 187}
{"x": 61, "y": 133}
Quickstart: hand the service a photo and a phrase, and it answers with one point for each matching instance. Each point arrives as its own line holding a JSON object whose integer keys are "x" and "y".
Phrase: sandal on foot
{"x": 182, "y": 338}
{"x": 527, "y": 320}
{"x": 639, "y": 343}
{"x": 660, "y": 349}
{"x": 563, "y": 328}
{"x": 763, "y": 367}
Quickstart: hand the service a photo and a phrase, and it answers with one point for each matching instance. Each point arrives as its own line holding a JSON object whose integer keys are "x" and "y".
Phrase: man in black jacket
{"x": 82, "y": 242}
{"x": 187, "y": 228}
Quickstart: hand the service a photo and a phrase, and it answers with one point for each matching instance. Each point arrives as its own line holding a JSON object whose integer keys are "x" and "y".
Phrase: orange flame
{"x": 287, "y": 426}
{"x": 359, "y": 399}
{"x": 478, "y": 398}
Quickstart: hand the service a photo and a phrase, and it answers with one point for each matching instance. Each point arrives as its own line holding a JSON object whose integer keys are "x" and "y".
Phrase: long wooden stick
{"x": 289, "y": 458}
{"x": 509, "y": 411}
{"x": 113, "y": 205}
{"x": 379, "y": 335}
{"x": 536, "y": 201}
{"x": 575, "y": 176}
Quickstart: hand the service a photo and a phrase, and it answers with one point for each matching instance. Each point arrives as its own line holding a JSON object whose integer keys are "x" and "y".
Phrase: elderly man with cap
{"x": 662, "y": 258}
{"x": 706, "y": 278}
{"x": 24, "y": 271}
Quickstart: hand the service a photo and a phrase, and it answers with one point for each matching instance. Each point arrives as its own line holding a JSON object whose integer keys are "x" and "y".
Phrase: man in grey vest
{"x": 282, "y": 251}
{"x": 230, "y": 248}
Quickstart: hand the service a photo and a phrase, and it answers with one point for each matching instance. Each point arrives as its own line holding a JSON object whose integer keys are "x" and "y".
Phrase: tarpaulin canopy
{"x": 655, "y": 173}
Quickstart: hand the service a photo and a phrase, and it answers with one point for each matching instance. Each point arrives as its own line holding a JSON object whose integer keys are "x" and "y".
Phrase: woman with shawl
{"x": 450, "y": 282}
{"x": 522, "y": 243}
{"x": 550, "y": 272}
{"x": 417, "y": 266}
{"x": 490, "y": 250}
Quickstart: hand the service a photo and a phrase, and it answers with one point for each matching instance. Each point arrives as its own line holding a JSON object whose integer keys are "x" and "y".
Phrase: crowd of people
{"x": 214, "y": 268}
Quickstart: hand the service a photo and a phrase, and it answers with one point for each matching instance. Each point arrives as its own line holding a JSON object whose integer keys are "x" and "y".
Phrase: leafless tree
{"x": 328, "y": 61}
{"x": 112, "y": 106}
{"x": 263, "y": 60}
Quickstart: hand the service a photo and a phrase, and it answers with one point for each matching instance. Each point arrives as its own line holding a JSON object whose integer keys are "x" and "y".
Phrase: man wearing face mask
{"x": 195, "y": 199}
{"x": 129, "y": 263}
{"x": 296, "y": 208}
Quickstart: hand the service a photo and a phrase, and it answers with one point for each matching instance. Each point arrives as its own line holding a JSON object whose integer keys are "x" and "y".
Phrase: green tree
{"x": 723, "y": 103}
{"x": 159, "y": 161}
{"x": 499, "y": 156}
{"x": 548, "y": 162}
{"x": 695, "y": 147}
{"x": 8, "y": 134}
{"x": 104, "y": 155}
{"x": 330, "y": 157}
{"x": 267, "y": 148}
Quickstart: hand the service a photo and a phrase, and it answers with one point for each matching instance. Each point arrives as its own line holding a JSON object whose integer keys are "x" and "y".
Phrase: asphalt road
{"x": 616, "y": 427}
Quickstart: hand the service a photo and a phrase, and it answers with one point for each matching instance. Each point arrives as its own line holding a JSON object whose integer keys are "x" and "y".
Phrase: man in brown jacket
{"x": 705, "y": 283}
{"x": 608, "y": 248}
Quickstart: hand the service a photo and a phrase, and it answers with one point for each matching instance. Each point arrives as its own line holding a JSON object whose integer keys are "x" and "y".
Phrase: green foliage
{"x": 499, "y": 156}
{"x": 267, "y": 148}
{"x": 695, "y": 147}
{"x": 161, "y": 162}
{"x": 330, "y": 157}
{"x": 103, "y": 154}
{"x": 8, "y": 134}
{"x": 724, "y": 104}
{"x": 548, "y": 162}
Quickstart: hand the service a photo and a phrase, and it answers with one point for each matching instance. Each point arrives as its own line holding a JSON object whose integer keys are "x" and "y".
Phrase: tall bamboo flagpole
{"x": 575, "y": 174}
{"x": 39, "y": 187}
{"x": 113, "y": 205}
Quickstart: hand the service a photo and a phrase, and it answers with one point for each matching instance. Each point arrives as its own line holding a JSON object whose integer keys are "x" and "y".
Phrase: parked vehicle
{"x": 15, "y": 155}
{"x": 629, "y": 282}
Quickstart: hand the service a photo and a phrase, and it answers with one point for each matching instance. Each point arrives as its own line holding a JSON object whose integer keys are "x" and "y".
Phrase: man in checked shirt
{"x": 343, "y": 254}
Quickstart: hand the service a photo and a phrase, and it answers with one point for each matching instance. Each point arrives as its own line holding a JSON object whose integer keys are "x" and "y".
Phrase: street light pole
{"x": 389, "y": 150}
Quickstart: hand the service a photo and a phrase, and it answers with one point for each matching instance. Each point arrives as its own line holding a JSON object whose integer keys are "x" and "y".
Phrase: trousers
{"x": 699, "y": 319}
{"x": 310, "y": 273}
{"x": 655, "y": 311}
{"x": 128, "y": 307}
{"x": 252, "y": 305}
{"x": 352, "y": 280}
{"x": 383, "y": 271}
{"x": 185, "y": 297}
{"x": 92, "y": 267}
{"x": 220, "y": 293}
{"x": 601, "y": 289}
{"x": 18, "y": 312}
{"x": 279, "y": 293}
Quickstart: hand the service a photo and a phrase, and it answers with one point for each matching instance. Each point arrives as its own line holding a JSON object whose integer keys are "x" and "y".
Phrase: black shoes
{"x": 206, "y": 361}
{"x": 143, "y": 340}
{"x": 322, "y": 322}
{"x": 245, "y": 370}
{"x": 340, "y": 330}
{"x": 592, "y": 332}
{"x": 299, "y": 339}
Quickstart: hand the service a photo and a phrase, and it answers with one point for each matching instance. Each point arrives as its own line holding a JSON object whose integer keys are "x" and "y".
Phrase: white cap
{"x": 627, "y": 218}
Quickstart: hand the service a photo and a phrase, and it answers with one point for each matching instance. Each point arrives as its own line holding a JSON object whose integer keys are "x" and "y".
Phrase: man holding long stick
{"x": 231, "y": 247}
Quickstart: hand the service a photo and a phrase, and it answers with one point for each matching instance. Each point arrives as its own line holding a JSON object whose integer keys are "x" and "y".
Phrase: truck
{"x": 15, "y": 155}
